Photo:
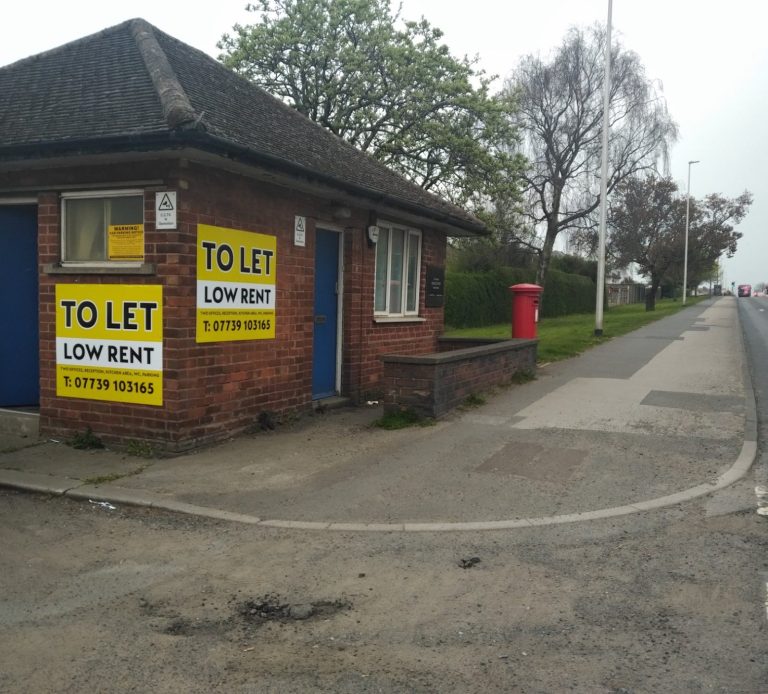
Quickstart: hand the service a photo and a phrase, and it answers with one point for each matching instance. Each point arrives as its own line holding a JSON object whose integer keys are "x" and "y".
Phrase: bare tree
{"x": 561, "y": 116}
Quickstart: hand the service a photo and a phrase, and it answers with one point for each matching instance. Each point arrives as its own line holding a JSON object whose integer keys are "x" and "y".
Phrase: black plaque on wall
{"x": 435, "y": 297}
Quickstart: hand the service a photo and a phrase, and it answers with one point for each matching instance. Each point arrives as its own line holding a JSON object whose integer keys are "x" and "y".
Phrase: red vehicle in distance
{"x": 745, "y": 290}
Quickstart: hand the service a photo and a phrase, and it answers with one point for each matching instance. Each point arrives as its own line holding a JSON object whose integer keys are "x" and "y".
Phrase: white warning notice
{"x": 165, "y": 210}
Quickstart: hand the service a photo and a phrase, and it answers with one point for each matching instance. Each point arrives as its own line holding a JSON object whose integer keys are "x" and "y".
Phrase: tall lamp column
{"x": 599, "y": 294}
{"x": 687, "y": 221}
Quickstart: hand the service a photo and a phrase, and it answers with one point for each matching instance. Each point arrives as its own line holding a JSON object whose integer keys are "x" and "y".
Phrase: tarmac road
{"x": 135, "y": 599}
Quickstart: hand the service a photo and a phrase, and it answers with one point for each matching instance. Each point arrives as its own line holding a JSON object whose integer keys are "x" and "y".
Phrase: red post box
{"x": 525, "y": 309}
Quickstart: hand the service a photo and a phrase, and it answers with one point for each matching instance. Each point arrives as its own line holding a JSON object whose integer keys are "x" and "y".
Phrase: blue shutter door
{"x": 326, "y": 314}
{"x": 19, "y": 330}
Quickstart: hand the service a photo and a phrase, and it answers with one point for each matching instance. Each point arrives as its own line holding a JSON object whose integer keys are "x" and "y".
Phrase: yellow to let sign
{"x": 236, "y": 285}
{"x": 109, "y": 342}
{"x": 125, "y": 242}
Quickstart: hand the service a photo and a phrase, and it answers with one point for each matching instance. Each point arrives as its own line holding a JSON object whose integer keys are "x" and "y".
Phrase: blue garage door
{"x": 19, "y": 351}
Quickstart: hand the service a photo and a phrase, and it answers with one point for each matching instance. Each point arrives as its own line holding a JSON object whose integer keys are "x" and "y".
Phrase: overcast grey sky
{"x": 711, "y": 58}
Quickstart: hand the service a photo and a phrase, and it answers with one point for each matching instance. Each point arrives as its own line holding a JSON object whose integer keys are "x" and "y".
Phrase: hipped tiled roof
{"x": 133, "y": 86}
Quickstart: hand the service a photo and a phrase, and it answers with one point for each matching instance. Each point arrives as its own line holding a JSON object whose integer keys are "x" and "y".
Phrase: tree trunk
{"x": 545, "y": 258}
{"x": 549, "y": 240}
{"x": 650, "y": 297}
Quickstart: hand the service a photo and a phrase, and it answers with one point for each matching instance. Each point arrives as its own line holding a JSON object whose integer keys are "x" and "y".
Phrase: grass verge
{"x": 402, "y": 419}
{"x": 106, "y": 479}
{"x": 567, "y": 336}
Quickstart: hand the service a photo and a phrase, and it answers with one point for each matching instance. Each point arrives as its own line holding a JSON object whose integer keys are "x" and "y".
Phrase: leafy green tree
{"x": 647, "y": 227}
{"x": 389, "y": 87}
{"x": 561, "y": 118}
{"x": 508, "y": 245}
{"x": 646, "y": 222}
{"x": 712, "y": 232}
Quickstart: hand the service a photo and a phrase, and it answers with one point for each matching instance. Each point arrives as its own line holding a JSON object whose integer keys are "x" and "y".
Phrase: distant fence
{"x": 621, "y": 294}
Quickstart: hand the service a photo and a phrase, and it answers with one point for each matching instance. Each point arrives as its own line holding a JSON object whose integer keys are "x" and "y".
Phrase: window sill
{"x": 399, "y": 319}
{"x": 58, "y": 269}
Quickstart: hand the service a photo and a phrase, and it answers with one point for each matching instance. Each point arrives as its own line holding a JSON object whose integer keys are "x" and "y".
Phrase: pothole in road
{"x": 191, "y": 627}
{"x": 272, "y": 607}
{"x": 248, "y": 614}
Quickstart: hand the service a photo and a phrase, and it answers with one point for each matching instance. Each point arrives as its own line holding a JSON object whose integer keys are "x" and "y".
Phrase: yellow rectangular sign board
{"x": 236, "y": 285}
{"x": 109, "y": 342}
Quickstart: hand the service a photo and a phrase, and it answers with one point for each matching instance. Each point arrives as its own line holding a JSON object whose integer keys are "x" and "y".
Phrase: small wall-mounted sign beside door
{"x": 300, "y": 231}
{"x": 165, "y": 209}
{"x": 435, "y": 297}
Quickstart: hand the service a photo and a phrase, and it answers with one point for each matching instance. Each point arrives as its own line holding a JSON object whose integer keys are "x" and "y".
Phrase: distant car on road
{"x": 745, "y": 290}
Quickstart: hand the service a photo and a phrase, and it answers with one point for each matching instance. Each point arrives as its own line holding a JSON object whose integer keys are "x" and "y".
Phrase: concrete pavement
{"x": 648, "y": 420}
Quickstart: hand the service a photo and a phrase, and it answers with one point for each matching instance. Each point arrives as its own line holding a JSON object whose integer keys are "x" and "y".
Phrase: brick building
{"x": 181, "y": 252}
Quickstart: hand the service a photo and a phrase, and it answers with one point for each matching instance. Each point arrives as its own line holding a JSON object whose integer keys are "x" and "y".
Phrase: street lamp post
{"x": 599, "y": 294}
{"x": 687, "y": 220}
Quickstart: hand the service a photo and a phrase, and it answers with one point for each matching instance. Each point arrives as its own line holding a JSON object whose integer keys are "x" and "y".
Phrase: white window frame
{"x": 97, "y": 194}
{"x": 404, "y": 313}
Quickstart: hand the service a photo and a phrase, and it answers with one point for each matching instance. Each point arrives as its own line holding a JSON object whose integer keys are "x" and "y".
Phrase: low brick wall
{"x": 433, "y": 384}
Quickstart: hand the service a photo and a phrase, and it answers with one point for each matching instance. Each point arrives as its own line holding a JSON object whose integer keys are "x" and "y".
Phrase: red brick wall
{"x": 65, "y": 416}
{"x": 222, "y": 387}
{"x": 214, "y": 390}
{"x": 373, "y": 339}
{"x": 432, "y": 385}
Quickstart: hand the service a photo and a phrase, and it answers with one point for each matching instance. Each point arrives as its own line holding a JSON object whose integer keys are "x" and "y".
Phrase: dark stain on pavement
{"x": 535, "y": 462}
{"x": 697, "y": 402}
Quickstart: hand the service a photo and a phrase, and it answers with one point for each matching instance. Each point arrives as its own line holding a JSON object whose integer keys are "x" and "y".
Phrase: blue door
{"x": 19, "y": 351}
{"x": 325, "y": 346}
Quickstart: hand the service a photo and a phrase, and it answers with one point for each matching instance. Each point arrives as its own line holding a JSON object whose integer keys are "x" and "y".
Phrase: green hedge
{"x": 474, "y": 299}
{"x": 565, "y": 294}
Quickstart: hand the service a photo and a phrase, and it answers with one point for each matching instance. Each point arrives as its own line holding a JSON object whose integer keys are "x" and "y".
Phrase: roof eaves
{"x": 225, "y": 147}
{"x": 206, "y": 141}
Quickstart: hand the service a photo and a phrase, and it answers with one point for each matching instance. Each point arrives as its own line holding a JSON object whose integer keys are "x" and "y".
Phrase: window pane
{"x": 396, "y": 271}
{"x": 412, "y": 292}
{"x": 382, "y": 263}
{"x": 126, "y": 210}
{"x": 87, "y": 219}
{"x": 85, "y": 232}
